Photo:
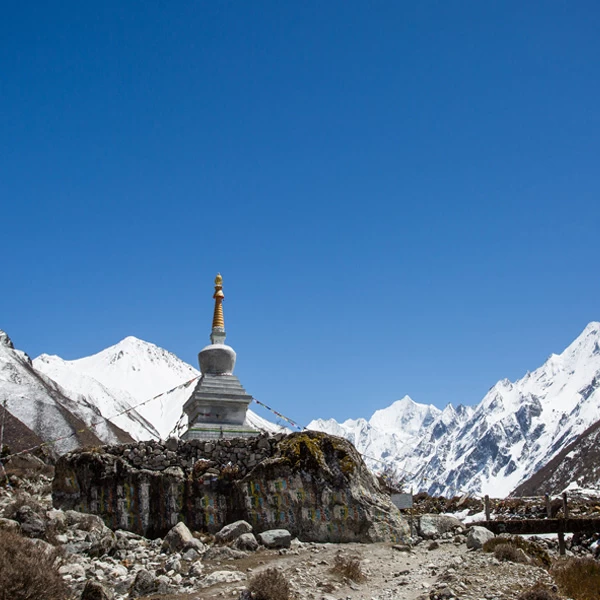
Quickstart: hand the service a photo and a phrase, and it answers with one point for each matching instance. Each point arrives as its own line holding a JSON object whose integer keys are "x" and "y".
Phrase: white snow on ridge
{"x": 138, "y": 367}
{"x": 129, "y": 373}
{"x": 109, "y": 403}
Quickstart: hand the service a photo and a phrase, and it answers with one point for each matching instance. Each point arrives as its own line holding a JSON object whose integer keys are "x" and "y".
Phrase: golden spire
{"x": 219, "y": 296}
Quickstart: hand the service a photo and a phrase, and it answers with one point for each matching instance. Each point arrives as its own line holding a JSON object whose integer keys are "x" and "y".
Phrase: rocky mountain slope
{"x": 43, "y": 407}
{"x": 491, "y": 448}
{"x": 575, "y": 468}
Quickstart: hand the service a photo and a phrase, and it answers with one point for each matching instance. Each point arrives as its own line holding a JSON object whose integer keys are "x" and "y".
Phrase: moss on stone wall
{"x": 303, "y": 450}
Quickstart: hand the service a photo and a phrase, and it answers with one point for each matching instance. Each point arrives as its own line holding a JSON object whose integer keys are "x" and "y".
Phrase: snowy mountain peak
{"x": 404, "y": 415}
{"x": 5, "y": 340}
{"x": 140, "y": 368}
{"x": 586, "y": 345}
{"x": 130, "y": 372}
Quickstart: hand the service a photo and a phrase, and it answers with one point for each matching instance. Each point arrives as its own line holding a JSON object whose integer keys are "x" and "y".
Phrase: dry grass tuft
{"x": 578, "y": 578}
{"x": 509, "y": 552}
{"x": 28, "y": 571}
{"x": 539, "y": 592}
{"x": 348, "y": 567}
{"x": 270, "y": 585}
{"x": 535, "y": 552}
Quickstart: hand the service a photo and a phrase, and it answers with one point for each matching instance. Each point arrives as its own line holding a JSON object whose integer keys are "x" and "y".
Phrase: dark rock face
{"x": 312, "y": 484}
{"x": 94, "y": 590}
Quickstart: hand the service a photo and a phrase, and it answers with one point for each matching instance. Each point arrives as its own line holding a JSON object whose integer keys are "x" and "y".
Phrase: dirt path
{"x": 450, "y": 570}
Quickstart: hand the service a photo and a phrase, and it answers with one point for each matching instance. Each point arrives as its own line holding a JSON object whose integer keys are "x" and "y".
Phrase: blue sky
{"x": 403, "y": 198}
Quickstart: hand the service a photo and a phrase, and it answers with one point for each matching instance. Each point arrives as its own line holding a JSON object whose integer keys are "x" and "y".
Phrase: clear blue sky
{"x": 403, "y": 198}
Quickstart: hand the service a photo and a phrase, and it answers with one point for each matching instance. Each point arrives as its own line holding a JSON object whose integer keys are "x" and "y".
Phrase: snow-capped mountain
{"x": 45, "y": 408}
{"x": 127, "y": 374}
{"x": 390, "y": 434}
{"x": 492, "y": 447}
{"x": 115, "y": 405}
{"x": 515, "y": 429}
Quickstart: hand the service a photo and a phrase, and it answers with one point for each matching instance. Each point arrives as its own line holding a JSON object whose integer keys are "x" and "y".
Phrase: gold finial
{"x": 219, "y": 296}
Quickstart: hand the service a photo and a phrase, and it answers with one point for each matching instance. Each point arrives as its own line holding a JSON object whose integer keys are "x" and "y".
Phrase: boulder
{"x": 431, "y": 526}
{"x": 32, "y": 524}
{"x": 232, "y": 531}
{"x": 73, "y": 569}
{"x": 94, "y": 590}
{"x": 246, "y": 541}
{"x": 144, "y": 584}
{"x": 84, "y": 521}
{"x": 477, "y": 536}
{"x": 314, "y": 485}
{"x": 275, "y": 538}
{"x": 10, "y": 525}
{"x": 180, "y": 539}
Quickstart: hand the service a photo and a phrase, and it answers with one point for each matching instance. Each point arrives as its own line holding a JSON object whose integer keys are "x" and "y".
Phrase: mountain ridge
{"x": 493, "y": 446}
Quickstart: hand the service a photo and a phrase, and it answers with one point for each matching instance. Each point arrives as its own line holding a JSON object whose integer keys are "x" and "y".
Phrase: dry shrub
{"x": 349, "y": 567}
{"x": 270, "y": 585}
{"x": 539, "y": 592}
{"x": 509, "y": 552}
{"x": 230, "y": 471}
{"x": 28, "y": 571}
{"x": 578, "y": 578}
{"x": 537, "y": 553}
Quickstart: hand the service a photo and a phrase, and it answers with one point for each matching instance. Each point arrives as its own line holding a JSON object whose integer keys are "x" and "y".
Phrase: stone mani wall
{"x": 310, "y": 483}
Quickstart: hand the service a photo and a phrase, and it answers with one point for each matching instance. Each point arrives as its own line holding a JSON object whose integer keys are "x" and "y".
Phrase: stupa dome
{"x": 217, "y": 359}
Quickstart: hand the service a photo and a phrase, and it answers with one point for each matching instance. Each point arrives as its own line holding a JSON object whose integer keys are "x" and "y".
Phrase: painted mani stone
{"x": 312, "y": 484}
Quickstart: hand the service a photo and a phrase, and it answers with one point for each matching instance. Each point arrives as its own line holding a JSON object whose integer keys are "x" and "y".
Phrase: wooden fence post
{"x": 565, "y": 505}
{"x": 486, "y": 501}
{"x": 548, "y": 507}
{"x": 561, "y": 544}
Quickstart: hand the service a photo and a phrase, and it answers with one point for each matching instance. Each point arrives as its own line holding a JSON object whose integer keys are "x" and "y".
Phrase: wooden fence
{"x": 560, "y": 526}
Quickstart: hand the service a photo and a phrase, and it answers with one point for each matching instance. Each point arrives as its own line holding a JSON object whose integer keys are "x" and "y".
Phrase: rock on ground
{"x": 275, "y": 538}
{"x": 246, "y": 541}
{"x": 180, "y": 538}
{"x": 431, "y": 526}
{"x": 94, "y": 590}
{"x": 477, "y": 536}
{"x": 232, "y": 531}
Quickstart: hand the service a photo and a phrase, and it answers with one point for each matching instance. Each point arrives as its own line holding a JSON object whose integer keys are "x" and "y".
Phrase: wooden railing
{"x": 560, "y": 526}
